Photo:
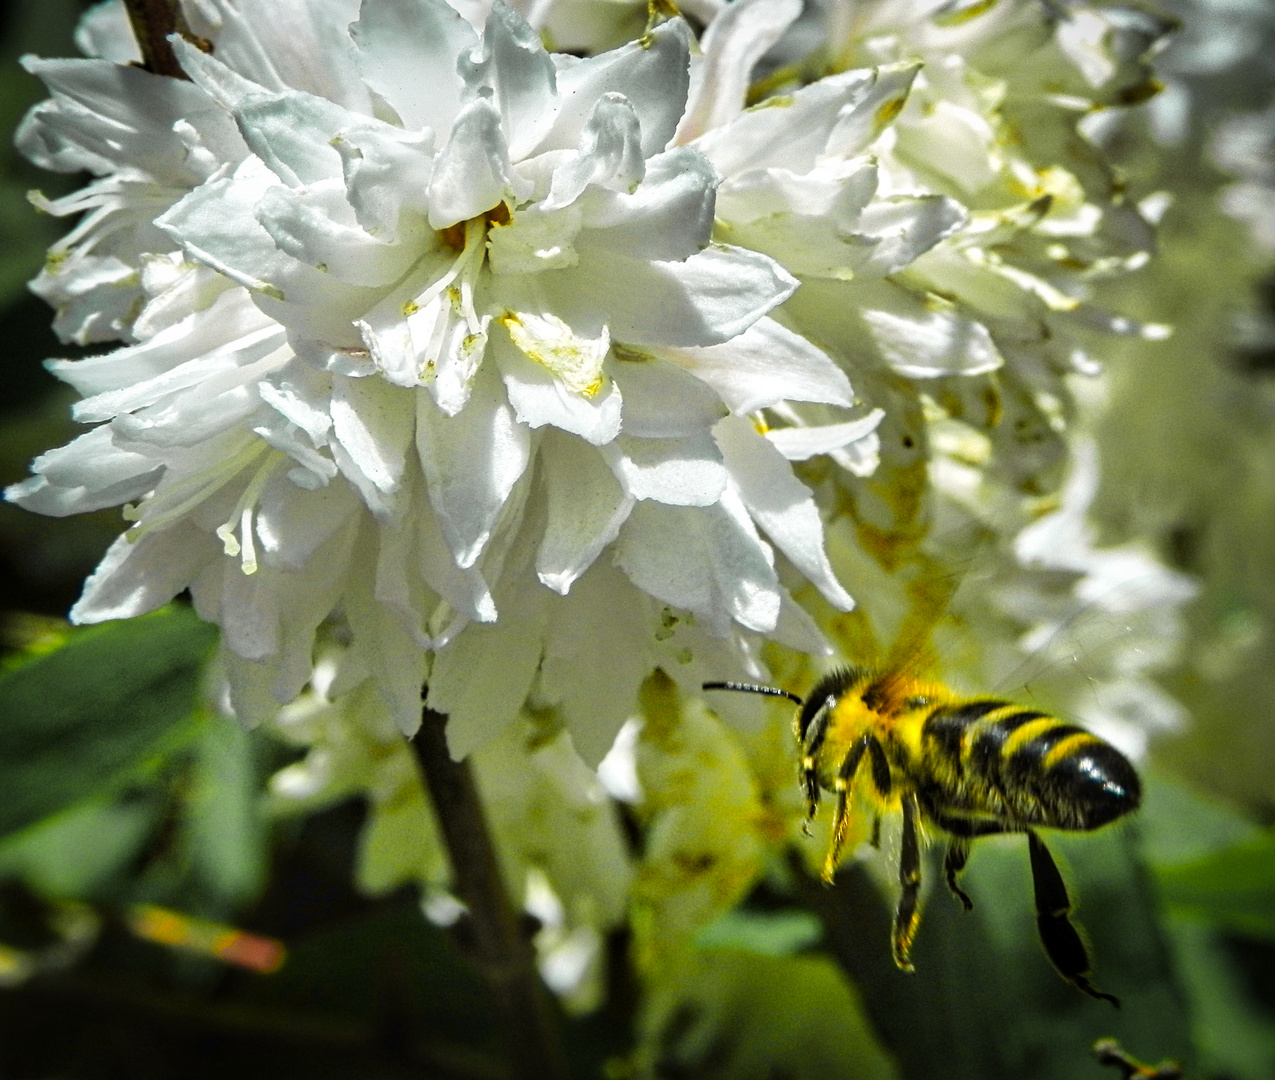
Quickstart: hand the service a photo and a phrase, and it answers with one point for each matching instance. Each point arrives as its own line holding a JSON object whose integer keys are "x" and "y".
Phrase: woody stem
{"x": 153, "y": 21}
{"x": 501, "y": 949}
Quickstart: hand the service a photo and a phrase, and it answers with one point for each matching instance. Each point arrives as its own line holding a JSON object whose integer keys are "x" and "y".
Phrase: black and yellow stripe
{"x": 990, "y": 756}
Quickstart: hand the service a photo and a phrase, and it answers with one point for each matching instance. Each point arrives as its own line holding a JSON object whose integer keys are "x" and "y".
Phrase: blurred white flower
{"x": 559, "y": 839}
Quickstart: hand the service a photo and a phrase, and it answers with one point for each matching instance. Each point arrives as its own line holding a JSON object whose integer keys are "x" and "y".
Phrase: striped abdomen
{"x": 990, "y": 758}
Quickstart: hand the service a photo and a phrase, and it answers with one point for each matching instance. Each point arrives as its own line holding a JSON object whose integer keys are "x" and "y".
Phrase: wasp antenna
{"x": 753, "y": 688}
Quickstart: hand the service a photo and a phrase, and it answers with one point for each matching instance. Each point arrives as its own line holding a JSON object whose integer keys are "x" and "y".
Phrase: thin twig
{"x": 500, "y": 947}
{"x": 153, "y": 21}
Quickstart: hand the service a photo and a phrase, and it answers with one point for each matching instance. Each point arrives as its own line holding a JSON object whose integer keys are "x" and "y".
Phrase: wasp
{"x": 962, "y": 767}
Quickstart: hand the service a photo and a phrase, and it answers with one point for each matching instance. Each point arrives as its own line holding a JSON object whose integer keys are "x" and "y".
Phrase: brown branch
{"x": 500, "y": 948}
{"x": 153, "y": 21}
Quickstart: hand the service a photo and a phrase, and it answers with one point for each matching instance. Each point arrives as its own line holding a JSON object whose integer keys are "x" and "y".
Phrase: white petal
{"x": 905, "y": 228}
{"x": 836, "y": 193}
{"x": 736, "y": 39}
{"x": 302, "y": 398}
{"x": 481, "y": 680}
{"x": 686, "y": 471}
{"x": 105, "y": 115}
{"x": 926, "y": 344}
{"x": 104, "y": 31}
{"x": 471, "y": 463}
{"x": 406, "y": 51}
{"x": 661, "y": 400}
{"x": 387, "y": 172}
{"x": 292, "y": 523}
{"x": 226, "y": 366}
{"x": 873, "y": 110}
{"x": 89, "y": 473}
{"x": 537, "y": 239}
{"x": 653, "y": 74}
{"x": 540, "y": 397}
{"x": 587, "y": 506}
{"x": 706, "y": 299}
{"x": 391, "y": 652}
{"x": 953, "y": 141}
{"x": 136, "y": 577}
{"x": 472, "y": 173}
{"x": 292, "y": 133}
{"x": 708, "y": 560}
{"x": 779, "y": 503}
{"x": 592, "y": 677}
{"x": 803, "y": 443}
{"x": 789, "y": 132}
{"x": 414, "y": 559}
{"x": 610, "y": 154}
{"x": 514, "y": 64}
{"x": 419, "y": 332}
{"x": 216, "y": 225}
{"x": 224, "y": 85}
{"x": 798, "y": 630}
{"x": 303, "y": 44}
{"x": 373, "y": 423}
{"x": 302, "y": 225}
{"x": 766, "y": 364}
{"x": 669, "y": 216}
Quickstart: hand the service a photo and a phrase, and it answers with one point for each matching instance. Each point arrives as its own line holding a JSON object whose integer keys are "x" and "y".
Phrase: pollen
{"x": 574, "y": 361}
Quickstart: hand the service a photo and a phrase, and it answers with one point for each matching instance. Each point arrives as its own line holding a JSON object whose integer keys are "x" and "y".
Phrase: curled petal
{"x": 512, "y": 64}
{"x": 736, "y": 39}
{"x": 803, "y": 443}
{"x": 653, "y": 74}
{"x": 472, "y": 173}
{"x": 610, "y": 154}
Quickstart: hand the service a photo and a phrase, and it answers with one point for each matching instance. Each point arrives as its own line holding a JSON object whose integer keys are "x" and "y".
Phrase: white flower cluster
{"x": 491, "y": 364}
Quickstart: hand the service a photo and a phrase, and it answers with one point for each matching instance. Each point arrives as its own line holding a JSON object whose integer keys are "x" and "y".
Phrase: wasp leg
{"x": 880, "y": 766}
{"x": 958, "y": 852}
{"x": 810, "y": 745}
{"x": 840, "y": 820}
{"x": 1063, "y": 945}
{"x": 907, "y": 915}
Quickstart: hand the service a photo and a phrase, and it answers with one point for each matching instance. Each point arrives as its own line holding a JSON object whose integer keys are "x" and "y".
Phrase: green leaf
{"x": 81, "y": 854}
{"x": 1233, "y": 1031}
{"x": 1233, "y": 889}
{"x": 225, "y": 827}
{"x": 79, "y": 720}
{"x": 727, "y": 1015}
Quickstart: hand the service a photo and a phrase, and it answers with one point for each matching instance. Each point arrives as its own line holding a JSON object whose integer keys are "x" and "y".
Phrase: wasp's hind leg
{"x": 907, "y": 915}
{"x": 958, "y": 853}
{"x": 1062, "y": 942}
